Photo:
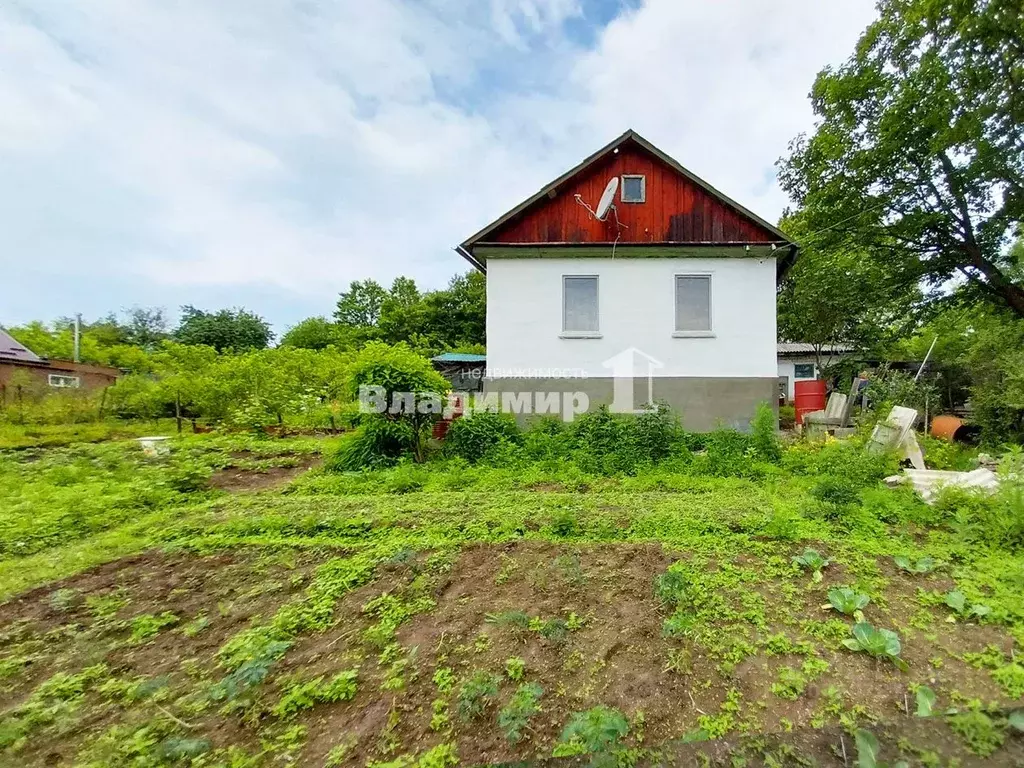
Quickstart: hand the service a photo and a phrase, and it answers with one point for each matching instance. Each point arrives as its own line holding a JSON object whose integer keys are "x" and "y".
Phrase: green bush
{"x": 472, "y": 437}
{"x": 379, "y": 442}
{"x": 942, "y": 454}
{"x": 600, "y": 433}
{"x": 657, "y": 433}
{"x": 406, "y": 478}
{"x": 888, "y": 387}
{"x": 839, "y": 491}
{"x": 607, "y": 444}
{"x": 136, "y": 396}
{"x": 764, "y": 434}
{"x": 787, "y": 417}
{"x": 847, "y": 459}
{"x": 547, "y": 438}
{"x": 997, "y": 520}
{"x": 395, "y": 368}
{"x": 399, "y": 371}
{"x": 728, "y": 453}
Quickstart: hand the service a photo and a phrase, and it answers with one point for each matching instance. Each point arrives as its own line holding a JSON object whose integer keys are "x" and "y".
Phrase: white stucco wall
{"x": 787, "y": 368}
{"x": 637, "y": 309}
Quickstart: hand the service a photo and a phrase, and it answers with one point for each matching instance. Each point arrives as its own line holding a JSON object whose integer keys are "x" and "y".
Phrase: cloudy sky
{"x": 264, "y": 153}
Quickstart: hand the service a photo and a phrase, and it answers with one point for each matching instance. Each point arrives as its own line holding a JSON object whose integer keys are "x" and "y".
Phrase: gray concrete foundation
{"x": 703, "y": 404}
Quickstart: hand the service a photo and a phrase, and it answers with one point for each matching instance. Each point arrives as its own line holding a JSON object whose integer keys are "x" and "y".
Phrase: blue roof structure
{"x": 459, "y": 357}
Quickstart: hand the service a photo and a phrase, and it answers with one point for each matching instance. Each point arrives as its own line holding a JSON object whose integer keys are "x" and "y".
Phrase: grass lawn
{"x": 222, "y": 606}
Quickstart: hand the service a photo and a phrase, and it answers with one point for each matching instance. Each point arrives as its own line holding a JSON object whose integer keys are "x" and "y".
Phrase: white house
{"x": 669, "y": 296}
{"x": 798, "y": 362}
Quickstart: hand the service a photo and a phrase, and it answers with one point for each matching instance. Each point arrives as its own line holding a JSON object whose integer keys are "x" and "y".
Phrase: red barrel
{"x": 808, "y": 396}
{"x": 441, "y": 428}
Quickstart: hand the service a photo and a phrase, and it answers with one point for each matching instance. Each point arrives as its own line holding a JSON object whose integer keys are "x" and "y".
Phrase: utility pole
{"x": 78, "y": 338}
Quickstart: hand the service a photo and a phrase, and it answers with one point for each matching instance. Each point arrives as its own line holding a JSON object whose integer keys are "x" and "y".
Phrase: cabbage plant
{"x": 811, "y": 560}
{"x": 880, "y": 643}
{"x": 848, "y": 601}
{"x": 923, "y": 564}
{"x": 957, "y": 600}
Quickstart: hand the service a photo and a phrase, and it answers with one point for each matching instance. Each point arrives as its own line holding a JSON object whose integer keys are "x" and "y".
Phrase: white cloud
{"x": 720, "y": 86}
{"x": 298, "y": 146}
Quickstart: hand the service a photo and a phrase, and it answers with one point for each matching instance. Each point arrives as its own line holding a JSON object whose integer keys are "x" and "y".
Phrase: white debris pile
{"x": 897, "y": 433}
{"x": 928, "y": 482}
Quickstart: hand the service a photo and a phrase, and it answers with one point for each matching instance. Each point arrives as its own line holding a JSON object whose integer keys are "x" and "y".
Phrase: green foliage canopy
{"x": 447, "y": 319}
{"x": 317, "y": 333}
{"x": 235, "y": 329}
{"x": 917, "y": 159}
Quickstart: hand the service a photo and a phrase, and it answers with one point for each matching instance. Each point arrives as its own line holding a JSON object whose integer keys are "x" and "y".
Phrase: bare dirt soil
{"x": 245, "y": 479}
{"x": 597, "y": 639}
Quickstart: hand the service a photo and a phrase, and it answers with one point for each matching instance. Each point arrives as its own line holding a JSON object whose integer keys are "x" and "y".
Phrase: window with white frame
{"x": 579, "y": 304}
{"x": 634, "y": 188}
{"x": 803, "y": 371}
{"x": 693, "y": 304}
{"x": 61, "y": 382}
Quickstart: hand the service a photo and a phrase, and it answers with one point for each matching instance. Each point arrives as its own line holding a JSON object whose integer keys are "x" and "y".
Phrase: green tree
{"x": 398, "y": 370}
{"x": 402, "y": 313}
{"x": 136, "y": 396}
{"x": 182, "y": 372}
{"x": 227, "y": 329}
{"x": 457, "y": 315}
{"x": 917, "y": 156}
{"x": 454, "y": 317}
{"x": 360, "y": 306}
{"x": 104, "y": 332}
{"x": 43, "y": 340}
{"x": 318, "y": 333}
{"x": 980, "y": 349}
{"x": 145, "y": 327}
{"x": 836, "y": 295}
{"x": 57, "y": 341}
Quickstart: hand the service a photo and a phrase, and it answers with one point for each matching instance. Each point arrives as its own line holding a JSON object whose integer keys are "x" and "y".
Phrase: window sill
{"x": 693, "y": 335}
{"x": 580, "y": 335}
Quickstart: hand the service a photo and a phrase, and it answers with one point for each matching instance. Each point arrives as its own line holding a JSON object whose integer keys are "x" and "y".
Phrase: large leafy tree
{"x": 401, "y": 312}
{"x": 145, "y": 326}
{"x": 918, "y": 154}
{"x": 450, "y": 318}
{"x": 235, "y": 329}
{"x": 837, "y": 295}
{"x": 458, "y": 313}
{"x": 359, "y": 306}
{"x": 318, "y": 333}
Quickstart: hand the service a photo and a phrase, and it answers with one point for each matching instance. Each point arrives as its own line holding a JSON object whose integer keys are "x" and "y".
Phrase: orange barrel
{"x": 945, "y": 427}
{"x": 808, "y": 396}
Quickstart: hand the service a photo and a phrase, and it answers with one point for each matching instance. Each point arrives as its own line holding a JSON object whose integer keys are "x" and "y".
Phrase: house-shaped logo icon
{"x": 626, "y": 367}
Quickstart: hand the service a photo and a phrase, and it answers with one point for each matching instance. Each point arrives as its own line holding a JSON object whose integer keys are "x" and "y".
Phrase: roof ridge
{"x": 629, "y": 134}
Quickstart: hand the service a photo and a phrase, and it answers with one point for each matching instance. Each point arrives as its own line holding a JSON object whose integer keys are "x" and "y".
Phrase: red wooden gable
{"x": 678, "y": 207}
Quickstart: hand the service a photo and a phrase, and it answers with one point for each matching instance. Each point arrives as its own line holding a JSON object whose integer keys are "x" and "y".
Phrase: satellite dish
{"x": 607, "y": 198}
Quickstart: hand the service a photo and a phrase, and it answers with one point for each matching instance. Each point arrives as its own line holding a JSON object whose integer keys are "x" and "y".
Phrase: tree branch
{"x": 1011, "y": 293}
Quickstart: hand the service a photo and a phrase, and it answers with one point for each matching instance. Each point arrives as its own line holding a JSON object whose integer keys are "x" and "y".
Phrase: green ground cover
{"x": 216, "y": 608}
{"x": 19, "y": 436}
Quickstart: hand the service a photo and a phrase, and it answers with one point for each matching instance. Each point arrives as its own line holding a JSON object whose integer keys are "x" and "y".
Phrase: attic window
{"x": 634, "y": 189}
